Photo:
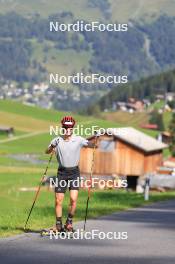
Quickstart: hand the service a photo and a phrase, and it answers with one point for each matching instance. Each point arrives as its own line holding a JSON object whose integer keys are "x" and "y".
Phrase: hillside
{"x": 134, "y": 120}
{"x": 29, "y": 52}
{"x": 92, "y": 9}
{"x": 32, "y": 125}
{"x": 146, "y": 88}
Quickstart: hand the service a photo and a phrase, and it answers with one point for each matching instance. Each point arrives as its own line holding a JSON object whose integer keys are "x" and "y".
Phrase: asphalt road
{"x": 151, "y": 239}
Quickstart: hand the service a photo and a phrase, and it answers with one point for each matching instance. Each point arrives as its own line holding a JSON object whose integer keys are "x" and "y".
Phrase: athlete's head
{"x": 68, "y": 123}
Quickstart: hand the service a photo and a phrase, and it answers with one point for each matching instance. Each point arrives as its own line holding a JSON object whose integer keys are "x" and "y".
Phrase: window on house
{"x": 106, "y": 145}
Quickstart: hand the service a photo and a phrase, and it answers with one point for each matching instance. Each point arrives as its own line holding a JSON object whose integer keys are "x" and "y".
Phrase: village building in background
{"x": 126, "y": 152}
{"x": 9, "y": 131}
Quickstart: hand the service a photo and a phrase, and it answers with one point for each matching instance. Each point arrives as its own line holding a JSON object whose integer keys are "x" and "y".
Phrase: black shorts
{"x": 67, "y": 178}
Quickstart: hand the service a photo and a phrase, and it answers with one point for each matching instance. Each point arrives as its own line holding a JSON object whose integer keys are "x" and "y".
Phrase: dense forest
{"x": 114, "y": 53}
{"x": 162, "y": 39}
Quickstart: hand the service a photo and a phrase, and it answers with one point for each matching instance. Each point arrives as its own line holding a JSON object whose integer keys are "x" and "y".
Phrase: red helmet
{"x": 68, "y": 121}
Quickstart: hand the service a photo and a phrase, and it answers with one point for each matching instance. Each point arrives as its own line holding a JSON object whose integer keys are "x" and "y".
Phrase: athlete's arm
{"x": 49, "y": 149}
{"x": 91, "y": 145}
{"x": 52, "y": 146}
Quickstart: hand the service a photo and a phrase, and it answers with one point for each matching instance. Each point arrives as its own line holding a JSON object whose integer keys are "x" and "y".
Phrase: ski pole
{"x": 38, "y": 190}
{"x": 89, "y": 188}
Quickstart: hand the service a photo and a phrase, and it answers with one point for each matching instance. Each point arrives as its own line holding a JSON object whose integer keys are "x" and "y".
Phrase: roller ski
{"x": 52, "y": 231}
{"x": 67, "y": 230}
{"x": 55, "y": 234}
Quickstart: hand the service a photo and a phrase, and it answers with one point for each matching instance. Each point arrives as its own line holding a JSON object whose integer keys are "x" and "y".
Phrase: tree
{"x": 172, "y": 131}
{"x": 94, "y": 110}
{"x": 172, "y": 104}
{"x": 157, "y": 119}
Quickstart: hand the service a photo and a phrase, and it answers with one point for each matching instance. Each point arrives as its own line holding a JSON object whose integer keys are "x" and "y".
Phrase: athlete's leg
{"x": 59, "y": 197}
{"x": 72, "y": 208}
{"x": 73, "y": 201}
{"x": 60, "y": 190}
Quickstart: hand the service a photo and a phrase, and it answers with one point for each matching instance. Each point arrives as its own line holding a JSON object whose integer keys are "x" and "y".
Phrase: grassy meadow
{"x": 31, "y": 126}
{"x": 120, "y": 10}
{"x": 15, "y": 204}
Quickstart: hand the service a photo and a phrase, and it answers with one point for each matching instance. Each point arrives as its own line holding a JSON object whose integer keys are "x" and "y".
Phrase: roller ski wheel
{"x": 47, "y": 232}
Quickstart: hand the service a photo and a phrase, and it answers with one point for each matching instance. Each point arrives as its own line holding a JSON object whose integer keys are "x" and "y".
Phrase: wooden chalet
{"x": 123, "y": 152}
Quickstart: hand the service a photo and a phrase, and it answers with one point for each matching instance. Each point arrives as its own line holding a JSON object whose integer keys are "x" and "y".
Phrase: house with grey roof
{"x": 124, "y": 152}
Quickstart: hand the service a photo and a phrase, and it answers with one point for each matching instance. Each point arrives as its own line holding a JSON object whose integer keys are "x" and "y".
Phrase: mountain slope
{"x": 29, "y": 52}
{"x": 145, "y": 88}
{"x": 90, "y": 10}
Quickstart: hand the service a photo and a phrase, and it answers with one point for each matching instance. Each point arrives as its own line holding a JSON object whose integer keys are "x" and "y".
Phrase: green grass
{"x": 15, "y": 204}
{"x": 34, "y": 144}
{"x": 44, "y": 8}
{"x": 137, "y": 119}
{"x": 38, "y": 143}
{"x": 7, "y": 161}
{"x": 125, "y": 119}
{"x": 10, "y": 160}
{"x": 10, "y": 106}
{"x": 167, "y": 118}
{"x": 58, "y": 61}
{"x": 166, "y": 115}
{"x": 140, "y": 9}
{"x": 121, "y": 10}
{"x": 16, "y": 133}
{"x": 158, "y": 104}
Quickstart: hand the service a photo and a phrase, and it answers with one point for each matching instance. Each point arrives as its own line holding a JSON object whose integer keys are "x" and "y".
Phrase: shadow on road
{"x": 159, "y": 215}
